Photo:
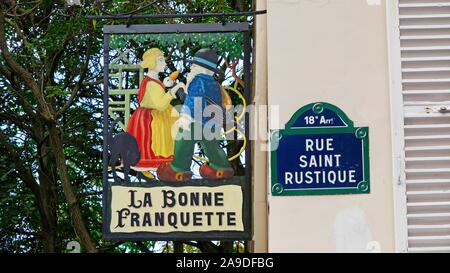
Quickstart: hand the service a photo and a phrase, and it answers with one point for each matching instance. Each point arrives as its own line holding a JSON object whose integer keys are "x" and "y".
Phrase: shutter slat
{"x": 425, "y": 16}
{"x": 426, "y": 27}
{"x": 426, "y": 69}
{"x": 425, "y": 37}
{"x": 425, "y": 59}
{"x": 428, "y": 181}
{"x": 428, "y": 148}
{"x": 424, "y": 5}
{"x": 425, "y": 48}
{"x": 421, "y": 159}
{"x": 427, "y": 138}
{"x": 427, "y": 126}
{"x": 444, "y": 249}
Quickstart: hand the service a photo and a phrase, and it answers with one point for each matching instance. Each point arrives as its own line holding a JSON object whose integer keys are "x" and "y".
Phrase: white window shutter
{"x": 425, "y": 65}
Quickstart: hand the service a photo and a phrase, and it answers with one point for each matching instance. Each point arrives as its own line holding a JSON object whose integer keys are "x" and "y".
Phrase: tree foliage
{"x": 50, "y": 120}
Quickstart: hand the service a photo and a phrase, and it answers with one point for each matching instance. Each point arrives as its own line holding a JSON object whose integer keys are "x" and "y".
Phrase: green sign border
{"x": 363, "y": 187}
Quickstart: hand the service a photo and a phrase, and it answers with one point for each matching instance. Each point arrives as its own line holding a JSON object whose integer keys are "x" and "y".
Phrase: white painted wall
{"x": 333, "y": 51}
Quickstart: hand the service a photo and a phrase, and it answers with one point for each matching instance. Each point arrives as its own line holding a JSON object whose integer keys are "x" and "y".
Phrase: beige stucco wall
{"x": 333, "y": 51}
{"x": 259, "y": 127}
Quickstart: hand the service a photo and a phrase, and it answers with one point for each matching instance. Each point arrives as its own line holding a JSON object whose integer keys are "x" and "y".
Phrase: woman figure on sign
{"x": 151, "y": 123}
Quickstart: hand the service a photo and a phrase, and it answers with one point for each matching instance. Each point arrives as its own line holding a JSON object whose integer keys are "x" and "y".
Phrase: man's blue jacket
{"x": 203, "y": 90}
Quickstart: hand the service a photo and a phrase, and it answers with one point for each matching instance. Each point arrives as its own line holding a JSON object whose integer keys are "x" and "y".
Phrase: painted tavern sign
{"x": 320, "y": 153}
{"x": 175, "y": 153}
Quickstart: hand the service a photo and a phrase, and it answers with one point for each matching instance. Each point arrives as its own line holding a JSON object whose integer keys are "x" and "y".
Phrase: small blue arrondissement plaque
{"x": 320, "y": 152}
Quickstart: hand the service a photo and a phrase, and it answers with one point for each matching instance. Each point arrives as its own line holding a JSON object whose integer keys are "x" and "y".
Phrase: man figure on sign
{"x": 203, "y": 92}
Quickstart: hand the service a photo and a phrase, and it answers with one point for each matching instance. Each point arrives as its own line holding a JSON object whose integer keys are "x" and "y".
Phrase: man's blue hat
{"x": 208, "y": 59}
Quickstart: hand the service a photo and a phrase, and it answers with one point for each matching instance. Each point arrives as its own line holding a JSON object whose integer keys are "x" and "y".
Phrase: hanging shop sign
{"x": 176, "y": 159}
{"x": 319, "y": 153}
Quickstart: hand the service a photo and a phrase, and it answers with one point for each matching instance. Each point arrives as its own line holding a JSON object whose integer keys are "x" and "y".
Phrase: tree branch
{"x": 5, "y": 72}
{"x": 16, "y": 120}
{"x": 27, "y": 78}
{"x": 142, "y": 247}
{"x": 22, "y": 171}
{"x": 51, "y": 65}
{"x": 110, "y": 247}
{"x": 25, "y": 105}
{"x": 71, "y": 197}
{"x": 13, "y": 89}
{"x": 232, "y": 65}
{"x": 18, "y": 31}
{"x": 83, "y": 70}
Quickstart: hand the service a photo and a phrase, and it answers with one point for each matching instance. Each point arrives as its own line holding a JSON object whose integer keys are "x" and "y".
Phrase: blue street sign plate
{"x": 320, "y": 152}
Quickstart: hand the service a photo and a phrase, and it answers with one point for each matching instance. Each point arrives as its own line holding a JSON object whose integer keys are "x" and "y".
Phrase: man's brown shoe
{"x": 208, "y": 172}
{"x": 166, "y": 173}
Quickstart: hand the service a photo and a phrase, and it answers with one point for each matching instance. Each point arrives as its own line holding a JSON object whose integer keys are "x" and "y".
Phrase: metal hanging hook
{"x": 128, "y": 20}
{"x": 222, "y": 19}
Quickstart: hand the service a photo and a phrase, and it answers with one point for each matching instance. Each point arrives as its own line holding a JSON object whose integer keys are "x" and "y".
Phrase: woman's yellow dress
{"x": 151, "y": 124}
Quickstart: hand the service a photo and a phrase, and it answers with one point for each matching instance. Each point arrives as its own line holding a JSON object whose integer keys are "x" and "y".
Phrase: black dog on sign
{"x": 125, "y": 147}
